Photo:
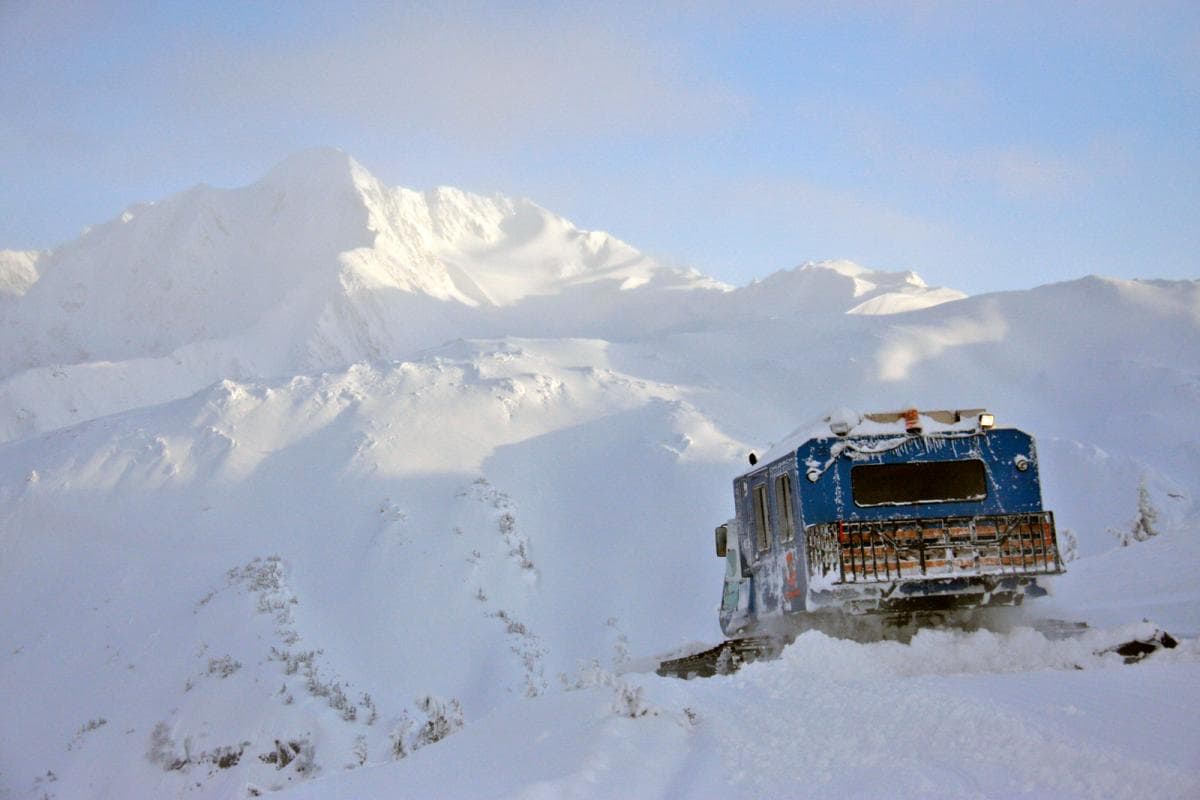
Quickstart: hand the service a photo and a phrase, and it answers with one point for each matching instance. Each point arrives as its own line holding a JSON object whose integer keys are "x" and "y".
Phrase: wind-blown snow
{"x": 281, "y": 461}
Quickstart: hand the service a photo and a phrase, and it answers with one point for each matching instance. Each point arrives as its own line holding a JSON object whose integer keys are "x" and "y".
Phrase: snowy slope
{"x": 400, "y": 445}
{"x": 983, "y": 715}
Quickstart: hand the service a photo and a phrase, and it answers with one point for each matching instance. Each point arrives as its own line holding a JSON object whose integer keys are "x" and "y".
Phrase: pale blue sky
{"x": 986, "y": 146}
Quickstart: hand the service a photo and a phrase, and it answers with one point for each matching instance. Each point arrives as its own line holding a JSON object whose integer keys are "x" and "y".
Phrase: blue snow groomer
{"x": 896, "y": 514}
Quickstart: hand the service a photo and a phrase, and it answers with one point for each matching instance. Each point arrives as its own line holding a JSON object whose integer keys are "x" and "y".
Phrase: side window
{"x": 783, "y": 497}
{"x": 761, "y": 517}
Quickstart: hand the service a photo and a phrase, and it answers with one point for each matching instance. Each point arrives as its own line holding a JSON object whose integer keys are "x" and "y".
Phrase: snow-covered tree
{"x": 1143, "y": 526}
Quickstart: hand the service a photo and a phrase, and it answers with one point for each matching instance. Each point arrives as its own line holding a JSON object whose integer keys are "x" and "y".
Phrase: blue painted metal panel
{"x": 829, "y": 498}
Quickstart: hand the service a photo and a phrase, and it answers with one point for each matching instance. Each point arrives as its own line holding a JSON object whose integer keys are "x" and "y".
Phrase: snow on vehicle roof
{"x": 848, "y": 423}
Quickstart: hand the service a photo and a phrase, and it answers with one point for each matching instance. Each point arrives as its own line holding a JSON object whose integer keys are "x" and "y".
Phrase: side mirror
{"x": 722, "y": 535}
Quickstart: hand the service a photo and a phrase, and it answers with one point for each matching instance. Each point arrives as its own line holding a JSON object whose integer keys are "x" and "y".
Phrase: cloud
{"x": 821, "y": 220}
{"x": 1024, "y": 174}
{"x": 479, "y": 78}
{"x": 917, "y": 146}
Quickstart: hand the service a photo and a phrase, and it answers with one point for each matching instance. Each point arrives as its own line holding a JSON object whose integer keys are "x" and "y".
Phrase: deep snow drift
{"x": 301, "y": 477}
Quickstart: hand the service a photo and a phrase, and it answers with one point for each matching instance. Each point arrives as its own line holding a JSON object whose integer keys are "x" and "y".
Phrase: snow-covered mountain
{"x": 296, "y": 476}
{"x": 319, "y": 265}
{"x": 316, "y": 265}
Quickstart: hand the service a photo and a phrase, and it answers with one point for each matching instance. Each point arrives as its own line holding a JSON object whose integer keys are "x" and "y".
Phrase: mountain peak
{"x": 314, "y": 160}
{"x": 319, "y": 169}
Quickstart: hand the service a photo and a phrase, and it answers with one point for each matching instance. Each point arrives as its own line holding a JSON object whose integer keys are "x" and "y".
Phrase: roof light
{"x": 912, "y": 420}
{"x": 843, "y": 420}
{"x": 987, "y": 421}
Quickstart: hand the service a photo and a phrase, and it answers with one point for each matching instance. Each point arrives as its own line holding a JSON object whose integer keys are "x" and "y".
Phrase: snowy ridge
{"x": 844, "y": 287}
{"x": 328, "y": 487}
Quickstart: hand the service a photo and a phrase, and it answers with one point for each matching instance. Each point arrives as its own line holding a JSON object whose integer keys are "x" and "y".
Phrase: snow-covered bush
{"x": 161, "y": 749}
{"x": 442, "y": 719}
{"x": 369, "y": 705}
{"x": 628, "y": 701}
{"x": 223, "y": 667}
{"x": 1068, "y": 543}
{"x": 360, "y": 750}
{"x": 301, "y": 751}
{"x": 400, "y": 736}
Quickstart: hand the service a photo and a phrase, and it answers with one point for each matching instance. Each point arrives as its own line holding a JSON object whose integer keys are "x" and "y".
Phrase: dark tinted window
{"x": 761, "y": 518}
{"x": 783, "y": 498}
{"x": 927, "y": 482}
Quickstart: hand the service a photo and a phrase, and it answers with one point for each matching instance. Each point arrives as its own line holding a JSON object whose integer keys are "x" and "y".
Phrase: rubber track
{"x": 724, "y": 659}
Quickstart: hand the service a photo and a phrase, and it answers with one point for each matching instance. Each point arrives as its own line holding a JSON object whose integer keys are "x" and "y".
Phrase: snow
{"x": 279, "y": 462}
{"x": 18, "y": 271}
{"x": 950, "y": 715}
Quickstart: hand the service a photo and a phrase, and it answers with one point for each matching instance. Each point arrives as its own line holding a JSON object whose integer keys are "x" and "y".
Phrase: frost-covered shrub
{"x": 340, "y": 703}
{"x": 360, "y": 750}
{"x": 84, "y": 729}
{"x": 369, "y": 705}
{"x": 628, "y": 701}
{"x": 93, "y": 724}
{"x": 294, "y": 662}
{"x": 306, "y": 759}
{"x": 226, "y": 757}
{"x": 318, "y": 686}
{"x": 620, "y": 646}
{"x": 223, "y": 667}
{"x": 511, "y": 624}
{"x": 401, "y": 735}
{"x": 301, "y": 751}
{"x": 442, "y": 719}
{"x": 161, "y": 749}
{"x": 592, "y": 674}
{"x": 1068, "y": 545}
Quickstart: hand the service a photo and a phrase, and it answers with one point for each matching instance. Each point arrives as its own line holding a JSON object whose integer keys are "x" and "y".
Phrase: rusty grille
{"x": 886, "y": 550}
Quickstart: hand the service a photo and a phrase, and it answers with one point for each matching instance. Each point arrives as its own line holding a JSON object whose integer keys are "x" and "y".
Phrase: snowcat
{"x": 901, "y": 516}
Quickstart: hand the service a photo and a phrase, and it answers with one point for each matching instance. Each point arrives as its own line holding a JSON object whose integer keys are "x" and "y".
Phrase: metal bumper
{"x": 937, "y": 563}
